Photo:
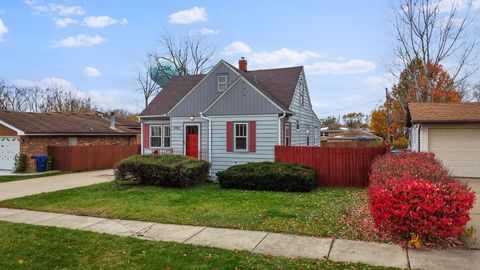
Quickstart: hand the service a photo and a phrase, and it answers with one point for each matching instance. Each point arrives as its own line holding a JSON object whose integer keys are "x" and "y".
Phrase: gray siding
{"x": 242, "y": 99}
{"x": 205, "y": 93}
{"x": 305, "y": 116}
{"x": 178, "y": 138}
{"x": 266, "y": 139}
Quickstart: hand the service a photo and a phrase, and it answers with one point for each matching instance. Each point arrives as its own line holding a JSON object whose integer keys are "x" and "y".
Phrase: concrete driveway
{"x": 21, "y": 188}
{"x": 475, "y": 212}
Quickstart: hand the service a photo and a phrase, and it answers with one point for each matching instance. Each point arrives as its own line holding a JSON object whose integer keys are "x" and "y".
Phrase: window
{"x": 166, "y": 136}
{"x": 72, "y": 140}
{"x": 298, "y": 125}
{"x": 156, "y": 136}
{"x": 222, "y": 83}
{"x": 287, "y": 134}
{"x": 240, "y": 138}
{"x": 308, "y": 135}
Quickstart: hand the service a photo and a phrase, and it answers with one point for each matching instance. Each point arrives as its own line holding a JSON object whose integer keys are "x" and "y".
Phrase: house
{"x": 231, "y": 115}
{"x": 451, "y": 131}
{"x": 352, "y": 138}
{"x": 330, "y": 131}
{"x": 31, "y": 133}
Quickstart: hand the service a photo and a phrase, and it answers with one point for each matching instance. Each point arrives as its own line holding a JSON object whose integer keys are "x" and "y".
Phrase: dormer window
{"x": 222, "y": 83}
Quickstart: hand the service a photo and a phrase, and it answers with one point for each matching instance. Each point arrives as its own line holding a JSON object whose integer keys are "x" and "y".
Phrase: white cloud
{"x": 188, "y": 16}
{"x": 476, "y": 4}
{"x": 38, "y": 7}
{"x": 3, "y": 30}
{"x": 447, "y": 5}
{"x": 102, "y": 21}
{"x": 48, "y": 82}
{"x": 64, "y": 22}
{"x": 236, "y": 47}
{"x": 339, "y": 68}
{"x": 205, "y": 31}
{"x": 78, "y": 41}
{"x": 383, "y": 80}
{"x": 92, "y": 72}
{"x": 282, "y": 57}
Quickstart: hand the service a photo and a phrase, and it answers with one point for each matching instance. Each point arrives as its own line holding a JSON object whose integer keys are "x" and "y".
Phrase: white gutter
{"x": 280, "y": 127}
{"x": 142, "y": 138}
{"x": 209, "y": 140}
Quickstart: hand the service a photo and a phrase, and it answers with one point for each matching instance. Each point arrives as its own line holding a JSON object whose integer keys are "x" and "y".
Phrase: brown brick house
{"x": 32, "y": 133}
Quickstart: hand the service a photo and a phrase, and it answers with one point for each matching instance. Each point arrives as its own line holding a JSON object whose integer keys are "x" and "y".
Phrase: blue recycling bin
{"x": 41, "y": 163}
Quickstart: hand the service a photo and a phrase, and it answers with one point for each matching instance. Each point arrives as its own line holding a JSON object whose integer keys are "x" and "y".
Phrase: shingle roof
{"x": 444, "y": 112}
{"x": 62, "y": 123}
{"x": 277, "y": 84}
{"x": 175, "y": 90}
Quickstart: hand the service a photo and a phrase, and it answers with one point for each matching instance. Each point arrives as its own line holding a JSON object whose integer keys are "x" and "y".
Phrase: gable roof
{"x": 62, "y": 123}
{"x": 171, "y": 94}
{"x": 443, "y": 112}
{"x": 278, "y": 85}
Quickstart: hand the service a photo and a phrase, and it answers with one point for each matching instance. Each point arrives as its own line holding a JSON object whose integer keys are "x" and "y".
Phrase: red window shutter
{"x": 229, "y": 136}
{"x": 146, "y": 131}
{"x": 252, "y": 136}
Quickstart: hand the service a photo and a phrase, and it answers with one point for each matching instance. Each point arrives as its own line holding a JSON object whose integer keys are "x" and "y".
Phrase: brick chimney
{"x": 242, "y": 64}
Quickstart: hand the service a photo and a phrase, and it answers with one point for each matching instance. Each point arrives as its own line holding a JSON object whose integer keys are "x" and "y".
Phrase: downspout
{"x": 280, "y": 127}
{"x": 142, "y": 138}
{"x": 419, "y": 140}
{"x": 209, "y": 140}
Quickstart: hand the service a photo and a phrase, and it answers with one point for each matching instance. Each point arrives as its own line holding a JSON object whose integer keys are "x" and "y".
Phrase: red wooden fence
{"x": 85, "y": 158}
{"x": 334, "y": 166}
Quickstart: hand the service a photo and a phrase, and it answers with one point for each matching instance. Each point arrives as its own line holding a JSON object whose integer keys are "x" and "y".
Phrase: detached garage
{"x": 451, "y": 131}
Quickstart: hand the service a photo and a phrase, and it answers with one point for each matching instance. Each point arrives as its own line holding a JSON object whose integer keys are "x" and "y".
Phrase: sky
{"x": 94, "y": 47}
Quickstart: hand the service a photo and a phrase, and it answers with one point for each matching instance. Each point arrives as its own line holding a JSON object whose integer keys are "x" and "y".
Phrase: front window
{"x": 222, "y": 83}
{"x": 155, "y": 136}
{"x": 166, "y": 136}
{"x": 240, "y": 136}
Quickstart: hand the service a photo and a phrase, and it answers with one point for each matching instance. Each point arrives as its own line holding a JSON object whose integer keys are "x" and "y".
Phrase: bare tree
{"x": 148, "y": 87}
{"x": 433, "y": 33}
{"x": 189, "y": 55}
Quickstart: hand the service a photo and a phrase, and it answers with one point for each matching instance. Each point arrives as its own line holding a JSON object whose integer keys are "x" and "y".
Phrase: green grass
{"x": 8, "y": 178}
{"x": 34, "y": 247}
{"x": 325, "y": 212}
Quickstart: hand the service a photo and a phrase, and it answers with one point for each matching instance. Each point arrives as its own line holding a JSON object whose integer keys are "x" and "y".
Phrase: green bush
{"x": 273, "y": 176}
{"x": 49, "y": 163}
{"x": 20, "y": 163}
{"x": 162, "y": 170}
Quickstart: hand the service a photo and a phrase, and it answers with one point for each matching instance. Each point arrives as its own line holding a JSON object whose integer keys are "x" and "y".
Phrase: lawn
{"x": 33, "y": 247}
{"x": 326, "y": 212}
{"x": 8, "y": 178}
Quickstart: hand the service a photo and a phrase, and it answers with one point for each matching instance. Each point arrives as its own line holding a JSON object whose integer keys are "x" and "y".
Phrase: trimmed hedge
{"x": 414, "y": 198}
{"x": 162, "y": 170}
{"x": 273, "y": 176}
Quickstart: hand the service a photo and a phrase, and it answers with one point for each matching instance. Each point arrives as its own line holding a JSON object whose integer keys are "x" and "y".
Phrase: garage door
{"x": 9, "y": 148}
{"x": 458, "y": 149}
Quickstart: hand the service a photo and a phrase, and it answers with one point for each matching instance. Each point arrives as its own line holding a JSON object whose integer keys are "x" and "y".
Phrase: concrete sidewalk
{"x": 275, "y": 244}
{"x": 21, "y": 188}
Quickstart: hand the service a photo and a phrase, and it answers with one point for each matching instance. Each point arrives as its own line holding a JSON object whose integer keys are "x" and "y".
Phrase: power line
{"x": 351, "y": 107}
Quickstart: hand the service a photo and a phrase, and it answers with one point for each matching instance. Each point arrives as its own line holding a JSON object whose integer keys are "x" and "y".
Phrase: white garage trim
{"x": 19, "y": 132}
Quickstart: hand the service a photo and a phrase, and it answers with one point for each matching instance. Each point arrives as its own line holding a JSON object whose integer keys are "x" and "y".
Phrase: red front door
{"x": 191, "y": 139}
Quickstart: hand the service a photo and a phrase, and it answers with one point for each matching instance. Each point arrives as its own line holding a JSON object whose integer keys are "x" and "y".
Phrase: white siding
{"x": 424, "y": 139}
{"x": 304, "y": 114}
{"x": 178, "y": 137}
{"x": 266, "y": 139}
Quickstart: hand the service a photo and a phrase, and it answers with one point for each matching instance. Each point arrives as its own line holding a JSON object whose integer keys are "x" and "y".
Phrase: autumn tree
{"x": 355, "y": 120}
{"x": 328, "y": 121}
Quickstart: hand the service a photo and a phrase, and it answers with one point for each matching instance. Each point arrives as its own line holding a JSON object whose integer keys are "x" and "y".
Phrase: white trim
{"x": 150, "y": 127}
{"x": 280, "y": 127}
{"x": 142, "y": 138}
{"x": 201, "y": 81}
{"x": 152, "y": 116}
{"x": 225, "y": 76}
{"x": 19, "y": 132}
{"x": 199, "y": 125}
{"x": 235, "y": 136}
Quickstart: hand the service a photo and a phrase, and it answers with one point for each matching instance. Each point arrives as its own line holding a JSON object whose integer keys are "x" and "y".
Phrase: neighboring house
{"x": 352, "y": 138}
{"x": 231, "y": 115}
{"x": 451, "y": 131}
{"x": 330, "y": 131}
{"x": 32, "y": 133}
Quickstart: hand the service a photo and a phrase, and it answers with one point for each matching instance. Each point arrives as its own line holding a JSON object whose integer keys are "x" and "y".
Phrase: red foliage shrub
{"x": 412, "y": 194}
{"x": 408, "y": 165}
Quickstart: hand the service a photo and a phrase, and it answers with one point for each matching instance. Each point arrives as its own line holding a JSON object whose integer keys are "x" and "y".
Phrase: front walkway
{"x": 21, "y": 188}
{"x": 275, "y": 244}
